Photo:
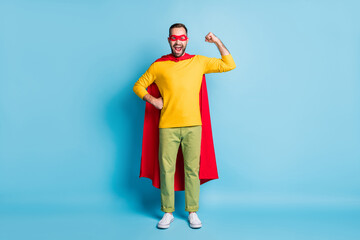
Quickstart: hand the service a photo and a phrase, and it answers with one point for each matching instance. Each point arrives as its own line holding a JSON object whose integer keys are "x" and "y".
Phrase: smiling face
{"x": 178, "y": 47}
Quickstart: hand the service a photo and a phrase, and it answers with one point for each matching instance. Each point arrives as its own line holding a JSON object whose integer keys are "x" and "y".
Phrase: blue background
{"x": 286, "y": 121}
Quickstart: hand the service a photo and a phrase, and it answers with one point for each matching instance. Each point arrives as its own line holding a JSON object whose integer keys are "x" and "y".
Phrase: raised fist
{"x": 211, "y": 38}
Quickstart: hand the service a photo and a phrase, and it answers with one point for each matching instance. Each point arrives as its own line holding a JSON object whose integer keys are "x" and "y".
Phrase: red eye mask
{"x": 176, "y": 37}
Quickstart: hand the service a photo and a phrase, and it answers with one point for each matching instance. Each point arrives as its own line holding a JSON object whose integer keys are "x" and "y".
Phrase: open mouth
{"x": 177, "y": 49}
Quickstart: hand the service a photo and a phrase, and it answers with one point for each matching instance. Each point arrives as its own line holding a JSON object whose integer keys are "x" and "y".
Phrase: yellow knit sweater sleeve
{"x": 144, "y": 81}
{"x": 215, "y": 65}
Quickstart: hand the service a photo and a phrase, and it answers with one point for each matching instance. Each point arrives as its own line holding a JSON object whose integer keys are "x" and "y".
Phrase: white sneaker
{"x": 194, "y": 220}
{"x": 166, "y": 220}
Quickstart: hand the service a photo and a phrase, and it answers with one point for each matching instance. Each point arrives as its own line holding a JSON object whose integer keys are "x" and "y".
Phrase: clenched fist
{"x": 211, "y": 38}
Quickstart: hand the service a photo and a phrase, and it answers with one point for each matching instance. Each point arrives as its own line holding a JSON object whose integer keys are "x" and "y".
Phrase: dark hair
{"x": 177, "y": 25}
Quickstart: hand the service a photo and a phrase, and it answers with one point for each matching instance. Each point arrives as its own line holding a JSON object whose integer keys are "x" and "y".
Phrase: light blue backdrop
{"x": 286, "y": 121}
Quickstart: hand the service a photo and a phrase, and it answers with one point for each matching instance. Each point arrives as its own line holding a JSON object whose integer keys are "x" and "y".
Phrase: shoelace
{"x": 167, "y": 217}
{"x": 194, "y": 217}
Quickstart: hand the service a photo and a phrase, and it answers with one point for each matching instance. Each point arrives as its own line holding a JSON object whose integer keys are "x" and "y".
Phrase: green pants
{"x": 169, "y": 141}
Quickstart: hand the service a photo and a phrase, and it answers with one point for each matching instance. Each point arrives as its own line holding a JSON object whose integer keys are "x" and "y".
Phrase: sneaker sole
{"x": 165, "y": 226}
{"x": 195, "y": 225}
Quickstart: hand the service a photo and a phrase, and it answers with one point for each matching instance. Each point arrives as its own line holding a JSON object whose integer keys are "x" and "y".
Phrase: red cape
{"x": 150, "y": 146}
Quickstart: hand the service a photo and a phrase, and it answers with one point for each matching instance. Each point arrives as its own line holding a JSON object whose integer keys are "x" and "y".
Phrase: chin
{"x": 178, "y": 54}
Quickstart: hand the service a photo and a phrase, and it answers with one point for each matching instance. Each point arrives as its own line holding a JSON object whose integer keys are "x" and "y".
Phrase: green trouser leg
{"x": 169, "y": 141}
{"x": 190, "y": 146}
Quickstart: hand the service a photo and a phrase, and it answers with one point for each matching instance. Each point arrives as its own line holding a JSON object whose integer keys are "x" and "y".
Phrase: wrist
{"x": 217, "y": 42}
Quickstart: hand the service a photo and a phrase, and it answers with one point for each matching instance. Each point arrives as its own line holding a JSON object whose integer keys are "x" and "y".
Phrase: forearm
{"x": 156, "y": 102}
{"x": 149, "y": 98}
{"x": 222, "y": 49}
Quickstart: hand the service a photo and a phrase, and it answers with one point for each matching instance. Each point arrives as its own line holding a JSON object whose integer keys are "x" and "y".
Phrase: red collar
{"x": 171, "y": 57}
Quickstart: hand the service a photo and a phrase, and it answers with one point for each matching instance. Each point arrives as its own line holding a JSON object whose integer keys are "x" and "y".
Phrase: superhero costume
{"x": 149, "y": 159}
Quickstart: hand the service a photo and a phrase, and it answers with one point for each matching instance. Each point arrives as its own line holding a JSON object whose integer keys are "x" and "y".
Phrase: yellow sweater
{"x": 179, "y": 85}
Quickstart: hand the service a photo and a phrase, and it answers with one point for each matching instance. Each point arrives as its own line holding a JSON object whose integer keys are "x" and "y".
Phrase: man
{"x": 179, "y": 82}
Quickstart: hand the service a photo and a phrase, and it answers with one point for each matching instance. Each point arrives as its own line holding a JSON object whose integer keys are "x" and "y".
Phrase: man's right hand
{"x": 156, "y": 102}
